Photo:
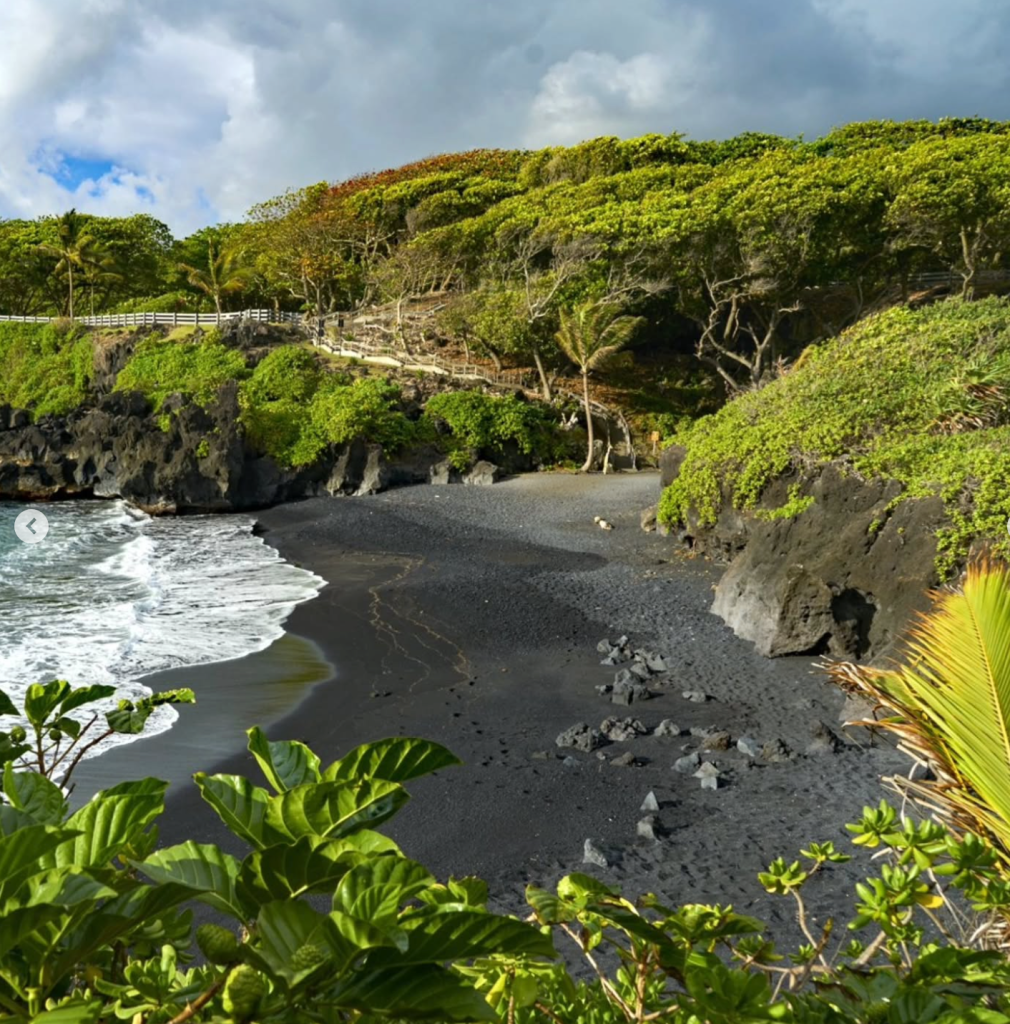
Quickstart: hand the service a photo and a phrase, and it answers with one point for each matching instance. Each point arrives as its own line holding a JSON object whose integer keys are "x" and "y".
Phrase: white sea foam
{"x": 113, "y": 595}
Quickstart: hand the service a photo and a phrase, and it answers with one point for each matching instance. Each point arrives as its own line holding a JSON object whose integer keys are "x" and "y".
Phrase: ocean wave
{"x": 113, "y": 595}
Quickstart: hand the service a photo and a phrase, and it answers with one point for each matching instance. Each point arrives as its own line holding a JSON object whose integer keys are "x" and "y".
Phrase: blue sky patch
{"x": 70, "y": 171}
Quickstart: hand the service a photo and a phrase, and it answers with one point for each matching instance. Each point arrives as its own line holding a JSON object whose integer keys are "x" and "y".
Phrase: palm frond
{"x": 949, "y": 705}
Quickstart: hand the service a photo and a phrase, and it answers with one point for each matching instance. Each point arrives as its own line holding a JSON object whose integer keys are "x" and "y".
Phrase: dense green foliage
{"x": 758, "y": 242}
{"x": 44, "y": 368}
{"x": 484, "y": 423}
{"x": 161, "y": 367}
{"x": 320, "y": 917}
{"x": 915, "y": 396}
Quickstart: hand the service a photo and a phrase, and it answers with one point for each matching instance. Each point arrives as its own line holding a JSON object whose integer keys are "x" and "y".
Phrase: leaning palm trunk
{"x": 588, "y": 464}
{"x": 949, "y": 706}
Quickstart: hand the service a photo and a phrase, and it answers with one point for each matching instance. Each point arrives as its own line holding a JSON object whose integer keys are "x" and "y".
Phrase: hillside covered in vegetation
{"x": 919, "y": 397}
{"x": 736, "y": 253}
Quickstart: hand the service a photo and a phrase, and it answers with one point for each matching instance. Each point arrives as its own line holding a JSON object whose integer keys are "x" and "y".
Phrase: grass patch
{"x": 918, "y": 396}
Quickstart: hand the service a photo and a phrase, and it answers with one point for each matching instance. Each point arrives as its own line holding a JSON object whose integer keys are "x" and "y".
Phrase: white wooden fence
{"x": 175, "y": 319}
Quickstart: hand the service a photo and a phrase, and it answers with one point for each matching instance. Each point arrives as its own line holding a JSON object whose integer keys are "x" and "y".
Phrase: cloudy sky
{"x": 193, "y": 110}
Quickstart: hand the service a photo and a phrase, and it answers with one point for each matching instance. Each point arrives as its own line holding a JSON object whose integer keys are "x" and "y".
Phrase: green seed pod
{"x": 242, "y": 992}
{"x": 306, "y": 957}
{"x": 56, "y": 734}
{"x": 18, "y": 734}
{"x": 218, "y": 944}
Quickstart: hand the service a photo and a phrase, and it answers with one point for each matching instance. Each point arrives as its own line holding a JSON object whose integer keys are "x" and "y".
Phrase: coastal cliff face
{"x": 200, "y": 463}
{"x": 842, "y": 578}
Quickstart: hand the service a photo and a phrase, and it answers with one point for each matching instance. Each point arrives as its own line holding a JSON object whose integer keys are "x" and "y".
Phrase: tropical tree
{"x": 588, "y": 337}
{"x": 75, "y": 248}
{"x": 221, "y": 274}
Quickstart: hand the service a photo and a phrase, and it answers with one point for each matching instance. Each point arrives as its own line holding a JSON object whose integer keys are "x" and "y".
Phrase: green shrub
{"x": 297, "y": 431}
{"x": 45, "y": 368}
{"x": 480, "y": 422}
{"x": 915, "y": 396}
{"x": 287, "y": 373}
{"x": 160, "y": 367}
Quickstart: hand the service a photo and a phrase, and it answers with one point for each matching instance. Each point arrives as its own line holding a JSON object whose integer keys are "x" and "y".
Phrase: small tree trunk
{"x": 70, "y": 269}
{"x": 545, "y": 384}
{"x": 588, "y": 464}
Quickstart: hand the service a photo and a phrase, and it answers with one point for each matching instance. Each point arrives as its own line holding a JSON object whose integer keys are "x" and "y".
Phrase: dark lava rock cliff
{"x": 843, "y": 578}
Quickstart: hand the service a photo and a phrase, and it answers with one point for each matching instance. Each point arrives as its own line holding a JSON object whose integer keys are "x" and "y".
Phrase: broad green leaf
{"x": 293, "y": 869}
{"x": 7, "y": 706}
{"x": 422, "y": 991}
{"x": 107, "y": 825}
{"x": 394, "y": 760}
{"x": 437, "y": 938}
{"x": 35, "y": 795}
{"x": 29, "y": 851}
{"x": 240, "y": 805}
{"x": 11, "y": 820}
{"x": 579, "y": 887}
{"x": 15, "y": 925}
{"x": 203, "y": 868}
{"x": 115, "y": 919}
{"x": 334, "y": 809}
{"x": 285, "y": 926}
{"x": 84, "y": 695}
{"x": 550, "y": 909}
{"x": 137, "y": 787}
{"x": 65, "y": 887}
{"x": 42, "y": 699}
{"x": 285, "y": 763}
{"x": 375, "y": 890}
{"x": 72, "y": 1013}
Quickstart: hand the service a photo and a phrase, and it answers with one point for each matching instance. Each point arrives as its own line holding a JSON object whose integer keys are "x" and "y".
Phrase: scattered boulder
{"x": 572, "y": 762}
{"x": 640, "y": 669}
{"x": 747, "y": 745}
{"x": 646, "y": 828}
{"x": 592, "y": 854}
{"x": 650, "y": 804}
{"x": 717, "y": 741}
{"x": 620, "y": 730}
{"x": 604, "y": 689}
{"x": 775, "y": 751}
{"x": 695, "y": 696}
{"x": 656, "y": 663}
{"x": 648, "y": 519}
{"x": 702, "y": 732}
{"x": 604, "y": 647}
{"x": 709, "y": 774}
{"x": 625, "y": 760}
{"x": 687, "y": 764}
{"x": 627, "y": 693}
{"x": 541, "y": 755}
{"x": 483, "y": 474}
{"x": 824, "y": 741}
{"x": 668, "y": 727}
{"x": 580, "y": 736}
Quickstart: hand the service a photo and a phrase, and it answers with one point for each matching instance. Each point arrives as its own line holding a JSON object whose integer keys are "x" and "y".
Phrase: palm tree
{"x": 73, "y": 250}
{"x": 97, "y": 267}
{"x": 949, "y": 705}
{"x": 588, "y": 337}
{"x": 222, "y": 275}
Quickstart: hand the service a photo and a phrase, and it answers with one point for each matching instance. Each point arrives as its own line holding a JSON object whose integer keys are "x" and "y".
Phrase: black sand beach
{"x": 471, "y": 616}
